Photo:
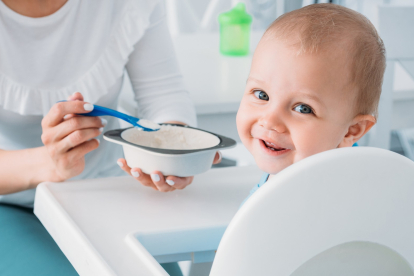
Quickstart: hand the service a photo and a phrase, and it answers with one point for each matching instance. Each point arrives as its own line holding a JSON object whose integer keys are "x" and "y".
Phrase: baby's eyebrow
{"x": 311, "y": 97}
{"x": 254, "y": 79}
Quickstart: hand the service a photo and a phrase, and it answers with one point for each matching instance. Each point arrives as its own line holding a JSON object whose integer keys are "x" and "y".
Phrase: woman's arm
{"x": 155, "y": 75}
{"x": 23, "y": 169}
{"x": 159, "y": 91}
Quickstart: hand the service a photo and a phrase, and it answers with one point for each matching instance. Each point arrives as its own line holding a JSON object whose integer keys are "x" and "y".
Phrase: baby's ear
{"x": 360, "y": 125}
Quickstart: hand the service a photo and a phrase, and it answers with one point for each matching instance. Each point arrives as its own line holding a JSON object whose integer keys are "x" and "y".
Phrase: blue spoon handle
{"x": 104, "y": 111}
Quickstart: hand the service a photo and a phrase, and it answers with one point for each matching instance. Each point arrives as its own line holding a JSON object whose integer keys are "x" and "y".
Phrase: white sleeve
{"x": 155, "y": 76}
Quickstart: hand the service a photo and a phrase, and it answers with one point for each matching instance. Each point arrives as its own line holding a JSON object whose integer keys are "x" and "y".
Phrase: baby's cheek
{"x": 307, "y": 145}
{"x": 244, "y": 124}
{"x": 311, "y": 147}
{"x": 242, "y": 121}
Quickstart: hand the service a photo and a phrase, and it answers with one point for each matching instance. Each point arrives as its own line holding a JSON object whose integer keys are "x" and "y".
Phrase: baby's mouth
{"x": 272, "y": 146}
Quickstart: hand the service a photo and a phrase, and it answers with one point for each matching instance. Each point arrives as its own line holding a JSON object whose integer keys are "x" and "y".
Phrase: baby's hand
{"x": 157, "y": 180}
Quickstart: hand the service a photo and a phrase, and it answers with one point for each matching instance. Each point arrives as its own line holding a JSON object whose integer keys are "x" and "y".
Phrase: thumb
{"x": 217, "y": 158}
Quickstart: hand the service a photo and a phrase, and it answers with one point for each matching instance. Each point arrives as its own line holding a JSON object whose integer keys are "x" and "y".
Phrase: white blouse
{"x": 86, "y": 46}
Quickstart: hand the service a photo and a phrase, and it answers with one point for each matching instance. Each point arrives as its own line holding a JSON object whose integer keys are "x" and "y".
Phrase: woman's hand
{"x": 159, "y": 182}
{"x": 68, "y": 137}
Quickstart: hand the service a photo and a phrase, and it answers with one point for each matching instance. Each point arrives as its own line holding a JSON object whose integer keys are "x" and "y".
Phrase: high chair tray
{"x": 116, "y": 226}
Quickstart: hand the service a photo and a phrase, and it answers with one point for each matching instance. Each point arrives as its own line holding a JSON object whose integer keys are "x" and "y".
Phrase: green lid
{"x": 237, "y": 15}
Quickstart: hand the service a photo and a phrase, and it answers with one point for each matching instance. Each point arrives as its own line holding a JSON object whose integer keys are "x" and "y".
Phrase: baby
{"x": 314, "y": 85}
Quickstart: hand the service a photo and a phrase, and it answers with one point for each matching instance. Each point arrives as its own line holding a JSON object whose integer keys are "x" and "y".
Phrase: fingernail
{"x": 170, "y": 182}
{"x": 88, "y": 107}
{"x": 155, "y": 177}
{"x": 97, "y": 140}
{"x": 120, "y": 163}
{"x": 66, "y": 116}
{"x": 134, "y": 173}
{"x": 100, "y": 129}
{"x": 220, "y": 156}
{"x": 104, "y": 122}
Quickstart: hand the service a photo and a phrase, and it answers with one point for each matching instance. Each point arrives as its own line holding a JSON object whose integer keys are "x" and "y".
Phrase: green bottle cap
{"x": 237, "y": 15}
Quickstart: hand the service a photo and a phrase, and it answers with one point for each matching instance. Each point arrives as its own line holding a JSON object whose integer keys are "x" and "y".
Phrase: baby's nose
{"x": 273, "y": 122}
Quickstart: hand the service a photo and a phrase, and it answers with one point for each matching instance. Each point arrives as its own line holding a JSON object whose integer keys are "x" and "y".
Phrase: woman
{"x": 48, "y": 50}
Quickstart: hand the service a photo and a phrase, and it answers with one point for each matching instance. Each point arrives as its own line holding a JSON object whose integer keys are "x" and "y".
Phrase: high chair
{"x": 347, "y": 211}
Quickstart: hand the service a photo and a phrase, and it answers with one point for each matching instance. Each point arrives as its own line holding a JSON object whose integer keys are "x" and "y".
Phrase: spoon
{"x": 143, "y": 124}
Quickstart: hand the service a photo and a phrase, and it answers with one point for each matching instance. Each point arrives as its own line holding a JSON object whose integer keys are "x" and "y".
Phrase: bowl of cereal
{"x": 173, "y": 150}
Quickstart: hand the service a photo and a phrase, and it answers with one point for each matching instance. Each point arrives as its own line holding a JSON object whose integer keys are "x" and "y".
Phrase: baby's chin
{"x": 271, "y": 167}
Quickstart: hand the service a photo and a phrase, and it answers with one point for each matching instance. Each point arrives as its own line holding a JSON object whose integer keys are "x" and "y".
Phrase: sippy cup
{"x": 235, "y": 31}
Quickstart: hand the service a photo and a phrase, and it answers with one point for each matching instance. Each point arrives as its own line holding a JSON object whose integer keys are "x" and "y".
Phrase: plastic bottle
{"x": 235, "y": 31}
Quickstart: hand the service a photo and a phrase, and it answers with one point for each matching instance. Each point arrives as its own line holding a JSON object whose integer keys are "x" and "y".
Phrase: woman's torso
{"x": 83, "y": 47}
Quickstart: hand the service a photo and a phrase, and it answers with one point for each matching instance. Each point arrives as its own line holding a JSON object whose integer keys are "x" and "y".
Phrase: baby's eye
{"x": 261, "y": 95}
{"x": 303, "y": 108}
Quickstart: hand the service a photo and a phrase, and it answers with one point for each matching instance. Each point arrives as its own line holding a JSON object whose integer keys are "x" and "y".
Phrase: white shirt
{"x": 86, "y": 46}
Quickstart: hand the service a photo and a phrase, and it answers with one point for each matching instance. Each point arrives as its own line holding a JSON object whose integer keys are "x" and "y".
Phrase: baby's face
{"x": 294, "y": 106}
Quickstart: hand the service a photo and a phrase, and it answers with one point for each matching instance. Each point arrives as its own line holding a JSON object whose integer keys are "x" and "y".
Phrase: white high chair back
{"x": 347, "y": 211}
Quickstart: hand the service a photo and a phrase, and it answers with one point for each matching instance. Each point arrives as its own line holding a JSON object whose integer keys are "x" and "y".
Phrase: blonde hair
{"x": 321, "y": 26}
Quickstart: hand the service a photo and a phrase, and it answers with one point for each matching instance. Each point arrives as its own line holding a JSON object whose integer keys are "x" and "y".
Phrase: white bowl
{"x": 178, "y": 162}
